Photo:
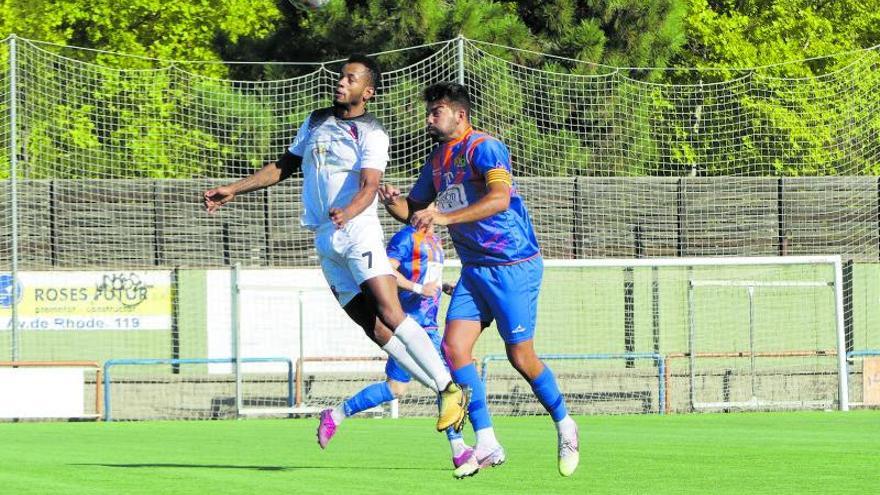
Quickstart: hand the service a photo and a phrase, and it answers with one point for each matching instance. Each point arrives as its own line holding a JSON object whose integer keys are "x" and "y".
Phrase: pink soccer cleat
{"x": 465, "y": 464}
{"x": 326, "y": 428}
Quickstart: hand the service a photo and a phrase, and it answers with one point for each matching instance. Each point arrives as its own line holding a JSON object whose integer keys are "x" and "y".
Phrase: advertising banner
{"x": 92, "y": 300}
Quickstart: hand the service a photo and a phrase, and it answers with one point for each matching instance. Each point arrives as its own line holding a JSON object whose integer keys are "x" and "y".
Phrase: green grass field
{"x": 772, "y": 453}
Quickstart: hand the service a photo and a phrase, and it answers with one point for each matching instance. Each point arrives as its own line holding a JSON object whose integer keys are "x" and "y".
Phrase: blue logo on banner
{"x": 7, "y": 297}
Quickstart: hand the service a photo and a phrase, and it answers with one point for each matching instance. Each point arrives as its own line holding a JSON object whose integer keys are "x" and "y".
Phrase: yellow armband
{"x": 499, "y": 175}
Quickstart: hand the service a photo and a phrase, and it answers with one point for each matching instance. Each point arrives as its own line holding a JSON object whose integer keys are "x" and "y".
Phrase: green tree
{"x": 752, "y": 33}
{"x": 369, "y": 26}
{"x": 113, "y": 119}
{"x": 807, "y": 57}
{"x": 619, "y": 33}
{"x": 186, "y": 30}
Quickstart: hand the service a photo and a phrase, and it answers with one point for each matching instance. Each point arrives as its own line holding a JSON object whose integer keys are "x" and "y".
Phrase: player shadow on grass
{"x": 256, "y": 468}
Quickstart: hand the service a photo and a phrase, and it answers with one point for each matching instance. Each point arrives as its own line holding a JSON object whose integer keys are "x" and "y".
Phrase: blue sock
{"x": 368, "y": 397}
{"x": 451, "y": 434}
{"x": 478, "y": 409}
{"x": 547, "y": 392}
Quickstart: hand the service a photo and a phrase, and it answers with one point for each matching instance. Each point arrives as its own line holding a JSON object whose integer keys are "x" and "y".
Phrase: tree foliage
{"x": 736, "y": 103}
{"x": 184, "y": 30}
{"x": 802, "y": 52}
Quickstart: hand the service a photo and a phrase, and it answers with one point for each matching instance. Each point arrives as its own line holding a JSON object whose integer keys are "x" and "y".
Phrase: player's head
{"x": 448, "y": 108}
{"x": 358, "y": 80}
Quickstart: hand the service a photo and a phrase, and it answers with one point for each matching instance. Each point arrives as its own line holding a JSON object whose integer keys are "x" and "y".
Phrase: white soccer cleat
{"x": 569, "y": 456}
{"x": 494, "y": 458}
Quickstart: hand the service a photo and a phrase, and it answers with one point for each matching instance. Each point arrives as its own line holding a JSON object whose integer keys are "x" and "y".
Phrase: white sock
{"x": 396, "y": 349}
{"x": 457, "y": 445}
{"x": 422, "y": 350}
{"x": 566, "y": 425}
{"x": 338, "y": 414}
{"x": 486, "y": 439}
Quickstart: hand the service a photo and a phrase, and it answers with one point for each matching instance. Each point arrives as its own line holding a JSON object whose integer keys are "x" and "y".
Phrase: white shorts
{"x": 351, "y": 255}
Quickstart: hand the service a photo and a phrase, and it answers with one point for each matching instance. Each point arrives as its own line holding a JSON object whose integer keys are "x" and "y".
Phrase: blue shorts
{"x": 507, "y": 294}
{"x": 398, "y": 374}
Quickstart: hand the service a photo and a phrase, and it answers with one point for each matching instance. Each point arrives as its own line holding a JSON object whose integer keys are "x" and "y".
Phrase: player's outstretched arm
{"x": 270, "y": 174}
{"x": 400, "y": 208}
{"x": 496, "y": 200}
{"x": 394, "y": 204}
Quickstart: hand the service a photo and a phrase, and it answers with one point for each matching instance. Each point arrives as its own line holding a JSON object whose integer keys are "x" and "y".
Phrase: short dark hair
{"x": 454, "y": 93}
{"x": 370, "y": 64}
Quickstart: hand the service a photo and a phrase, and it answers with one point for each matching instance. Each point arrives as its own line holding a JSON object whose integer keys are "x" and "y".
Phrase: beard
{"x": 348, "y": 101}
{"x": 341, "y": 105}
{"x": 436, "y": 135}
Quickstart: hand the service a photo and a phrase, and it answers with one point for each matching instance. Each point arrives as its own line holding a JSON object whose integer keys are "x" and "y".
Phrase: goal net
{"x": 680, "y": 335}
{"x": 623, "y": 336}
{"x": 115, "y": 150}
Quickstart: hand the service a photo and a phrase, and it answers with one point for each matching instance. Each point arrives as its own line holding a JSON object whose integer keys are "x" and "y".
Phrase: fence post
{"x": 235, "y": 321}
{"x": 848, "y": 323}
{"x": 629, "y": 304}
{"x": 13, "y": 193}
{"x": 680, "y": 242}
{"x": 460, "y": 43}
{"x": 577, "y": 221}
{"x": 780, "y": 218}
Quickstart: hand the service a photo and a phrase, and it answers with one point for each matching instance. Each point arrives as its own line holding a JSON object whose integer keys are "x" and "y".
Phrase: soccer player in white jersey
{"x": 342, "y": 152}
{"x": 417, "y": 257}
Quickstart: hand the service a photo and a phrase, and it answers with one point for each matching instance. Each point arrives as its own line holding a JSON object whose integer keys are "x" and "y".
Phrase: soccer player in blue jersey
{"x": 468, "y": 176}
{"x": 417, "y": 257}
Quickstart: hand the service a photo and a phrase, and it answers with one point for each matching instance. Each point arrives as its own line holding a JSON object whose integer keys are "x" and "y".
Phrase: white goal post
{"x": 799, "y": 358}
{"x": 295, "y": 315}
{"x": 750, "y": 287}
{"x": 721, "y": 333}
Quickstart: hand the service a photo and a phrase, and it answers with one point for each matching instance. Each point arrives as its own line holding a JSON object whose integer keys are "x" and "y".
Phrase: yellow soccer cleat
{"x": 453, "y": 407}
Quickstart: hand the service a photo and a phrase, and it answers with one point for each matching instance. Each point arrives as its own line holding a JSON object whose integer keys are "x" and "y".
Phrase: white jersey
{"x": 333, "y": 153}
